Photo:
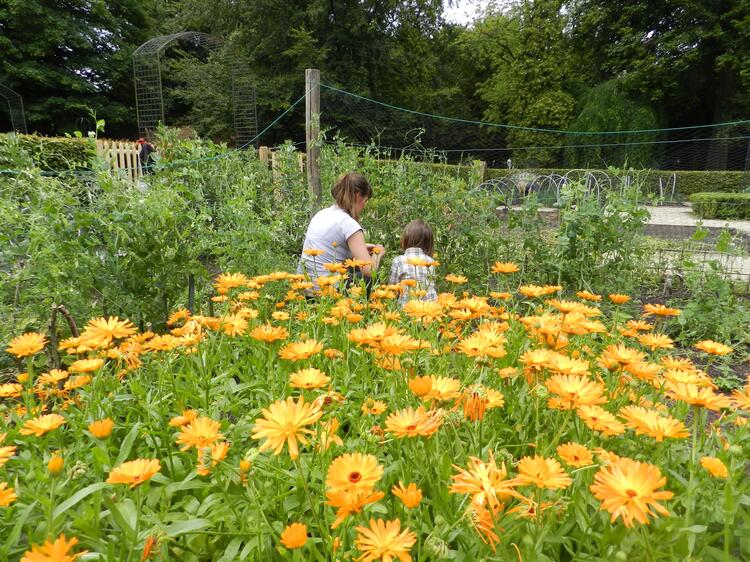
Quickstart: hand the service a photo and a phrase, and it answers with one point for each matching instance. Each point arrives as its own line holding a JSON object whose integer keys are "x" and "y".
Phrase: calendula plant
{"x": 532, "y": 423}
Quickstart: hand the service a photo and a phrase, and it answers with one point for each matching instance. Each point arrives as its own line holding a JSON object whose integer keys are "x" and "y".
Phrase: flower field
{"x": 523, "y": 424}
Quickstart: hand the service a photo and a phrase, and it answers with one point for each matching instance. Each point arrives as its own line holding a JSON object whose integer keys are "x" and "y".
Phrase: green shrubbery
{"x": 721, "y": 205}
{"x": 47, "y": 153}
{"x": 687, "y": 182}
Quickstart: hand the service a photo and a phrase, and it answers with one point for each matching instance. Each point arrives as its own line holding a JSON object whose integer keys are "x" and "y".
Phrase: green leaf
{"x": 125, "y": 515}
{"x": 189, "y": 526}
{"x": 78, "y": 496}
{"x": 127, "y": 444}
{"x": 16, "y": 532}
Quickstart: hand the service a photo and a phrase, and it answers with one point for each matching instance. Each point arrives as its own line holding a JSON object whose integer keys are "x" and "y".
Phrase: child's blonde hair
{"x": 418, "y": 234}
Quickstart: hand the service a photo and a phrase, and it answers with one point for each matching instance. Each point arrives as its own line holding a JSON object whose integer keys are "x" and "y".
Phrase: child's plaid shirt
{"x": 424, "y": 276}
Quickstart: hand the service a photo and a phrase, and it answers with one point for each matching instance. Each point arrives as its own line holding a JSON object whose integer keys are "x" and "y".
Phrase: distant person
{"x": 145, "y": 150}
{"x": 336, "y": 232}
{"x": 414, "y": 265}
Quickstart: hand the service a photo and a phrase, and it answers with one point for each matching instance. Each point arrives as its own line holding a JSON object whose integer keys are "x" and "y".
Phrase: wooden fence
{"x": 122, "y": 157}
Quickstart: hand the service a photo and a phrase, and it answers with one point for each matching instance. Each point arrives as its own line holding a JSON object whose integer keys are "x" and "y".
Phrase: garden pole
{"x": 312, "y": 131}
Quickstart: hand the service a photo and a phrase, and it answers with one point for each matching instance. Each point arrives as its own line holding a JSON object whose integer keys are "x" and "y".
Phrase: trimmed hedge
{"x": 687, "y": 182}
{"x": 714, "y": 205}
{"x": 48, "y": 153}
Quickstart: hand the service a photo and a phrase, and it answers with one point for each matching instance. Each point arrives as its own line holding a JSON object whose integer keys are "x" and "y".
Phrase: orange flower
{"x": 410, "y": 495}
{"x": 409, "y": 422}
{"x": 714, "y": 465}
{"x": 41, "y": 425}
{"x": 100, "y": 332}
{"x": 186, "y": 417}
{"x": 209, "y": 457}
{"x": 575, "y": 454}
{"x": 27, "y": 344}
{"x": 200, "y": 433}
{"x": 285, "y": 421}
{"x": 660, "y": 310}
{"x": 134, "y": 472}
{"x": 652, "y": 423}
{"x": 504, "y": 267}
{"x": 697, "y": 395}
{"x": 101, "y": 429}
{"x": 6, "y": 453}
{"x": 589, "y": 296}
{"x": 574, "y": 392}
{"x": 86, "y": 365}
{"x": 618, "y": 298}
{"x": 309, "y": 379}
{"x": 713, "y": 348}
{"x": 542, "y": 473}
{"x": 313, "y": 252}
{"x": 629, "y": 489}
{"x": 373, "y": 407}
{"x": 456, "y": 279}
{"x": 384, "y": 540}
{"x": 7, "y": 495}
{"x": 421, "y": 386}
{"x": 599, "y": 419}
{"x": 353, "y": 472}
{"x": 347, "y": 503}
{"x": 269, "y": 333}
{"x": 485, "y": 482}
{"x": 423, "y": 311}
{"x": 656, "y": 341}
{"x": 295, "y": 535}
{"x": 55, "y": 465}
{"x": 296, "y": 351}
{"x": 57, "y": 551}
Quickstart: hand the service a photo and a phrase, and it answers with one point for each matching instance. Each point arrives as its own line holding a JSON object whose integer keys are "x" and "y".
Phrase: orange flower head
{"x": 409, "y": 422}
{"x": 542, "y": 473}
{"x": 297, "y": 351}
{"x": 618, "y": 298}
{"x": 485, "y": 482}
{"x": 589, "y": 296}
{"x": 421, "y": 386}
{"x": 53, "y": 551}
{"x": 200, "y": 433}
{"x": 134, "y": 472}
{"x": 353, "y": 473}
{"x": 309, "y": 379}
{"x": 268, "y": 333}
{"x": 713, "y": 348}
{"x": 575, "y": 455}
{"x": 656, "y": 341}
{"x": 294, "y": 535}
{"x": 41, "y": 425}
{"x": 599, "y": 419}
{"x": 715, "y": 467}
{"x": 27, "y": 344}
{"x": 652, "y": 423}
{"x": 660, "y": 310}
{"x": 630, "y": 490}
{"x": 456, "y": 279}
{"x": 86, "y": 365}
{"x": 184, "y": 419}
{"x": 373, "y": 407}
{"x": 101, "y": 429}
{"x": 504, "y": 267}
{"x": 7, "y": 495}
{"x": 574, "y": 391}
{"x": 100, "y": 332}
{"x": 384, "y": 540}
{"x": 410, "y": 495}
{"x": 55, "y": 465}
{"x": 285, "y": 422}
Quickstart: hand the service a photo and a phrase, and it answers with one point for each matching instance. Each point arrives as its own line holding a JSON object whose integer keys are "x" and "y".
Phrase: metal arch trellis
{"x": 15, "y": 107}
{"x": 149, "y": 96}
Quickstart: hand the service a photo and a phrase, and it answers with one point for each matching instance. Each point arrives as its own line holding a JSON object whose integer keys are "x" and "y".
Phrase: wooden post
{"x": 312, "y": 131}
{"x": 263, "y": 153}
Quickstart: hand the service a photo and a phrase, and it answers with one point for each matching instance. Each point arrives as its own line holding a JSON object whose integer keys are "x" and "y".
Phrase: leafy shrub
{"x": 47, "y": 153}
{"x": 721, "y": 205}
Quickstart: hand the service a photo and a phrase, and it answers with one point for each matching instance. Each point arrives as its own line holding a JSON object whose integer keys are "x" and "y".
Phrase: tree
{"x": 528, "y": 87}
{"x": 67, "y": 57}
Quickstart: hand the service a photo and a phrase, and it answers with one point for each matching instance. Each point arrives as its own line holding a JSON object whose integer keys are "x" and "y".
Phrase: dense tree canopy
{"x": 554, "y": 64}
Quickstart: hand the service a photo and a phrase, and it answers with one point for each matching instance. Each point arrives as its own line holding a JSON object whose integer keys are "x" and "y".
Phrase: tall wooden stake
{"x": 312, "y": 131}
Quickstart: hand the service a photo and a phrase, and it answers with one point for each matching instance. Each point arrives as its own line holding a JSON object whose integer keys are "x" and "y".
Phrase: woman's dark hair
{"x": 418, "y": 234}
{"x": 346, "y": 189}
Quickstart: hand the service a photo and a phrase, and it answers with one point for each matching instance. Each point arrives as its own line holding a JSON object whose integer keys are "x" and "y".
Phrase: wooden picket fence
{"x": 122, "y": 157}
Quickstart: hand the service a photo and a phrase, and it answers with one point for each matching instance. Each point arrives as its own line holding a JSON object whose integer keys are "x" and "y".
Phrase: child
{"x": 417, "y": 245}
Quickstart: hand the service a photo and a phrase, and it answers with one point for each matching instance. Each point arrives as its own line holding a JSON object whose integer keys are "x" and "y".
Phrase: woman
{"x": 337, "y": 233}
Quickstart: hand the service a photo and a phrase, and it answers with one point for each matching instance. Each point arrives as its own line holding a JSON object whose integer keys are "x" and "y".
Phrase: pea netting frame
{"x": 15, "y": 109}
{"x": 149, "y": 96}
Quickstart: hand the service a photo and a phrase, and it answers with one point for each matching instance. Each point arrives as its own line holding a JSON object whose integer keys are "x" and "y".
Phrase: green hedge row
{"x": 687, "y": 182}
{"x": 721, "y": 205}
{"x": 48, "y": 153}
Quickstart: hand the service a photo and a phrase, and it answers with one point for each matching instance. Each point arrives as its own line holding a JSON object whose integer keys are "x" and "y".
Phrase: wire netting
{"x": 360, "y": 120}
